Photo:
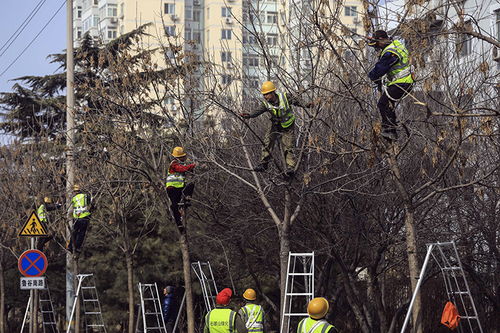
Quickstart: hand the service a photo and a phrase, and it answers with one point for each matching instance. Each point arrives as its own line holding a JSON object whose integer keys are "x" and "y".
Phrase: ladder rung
{"x": 91, "y": 300}
{"x": 92, "y": 313}
{"x": 95, "y": 325}
{"x": 468, "y": 317}
{"x": 459, "y": 292}
{"x": 452, "y": 268}
{"x": 302, "y": 274}
{"x": 299, "y": 294}
{"x": 152, "y": 313}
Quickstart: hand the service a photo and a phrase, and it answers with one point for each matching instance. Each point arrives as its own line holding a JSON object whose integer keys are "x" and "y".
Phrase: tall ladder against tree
{"x": 150, "y": 313}
{"x": 446, "y": 256}
{"x": 91, "y": 306}
{"x": 49, "y": 324}
{"x": 203, "y": 271}
{"x": 300, "y": 265}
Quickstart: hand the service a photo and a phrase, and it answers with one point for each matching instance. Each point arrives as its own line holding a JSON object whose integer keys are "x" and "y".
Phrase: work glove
{"x": 244, "y": 115}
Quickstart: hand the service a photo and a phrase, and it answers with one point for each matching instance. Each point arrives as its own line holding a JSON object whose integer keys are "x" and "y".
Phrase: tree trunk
{"x": 411, "y": 238}
{"x": 2, "y": 294}
{"x": 284, "y": 235}
{"x": 186, "y": 265}
{"x": 130, "y": 285}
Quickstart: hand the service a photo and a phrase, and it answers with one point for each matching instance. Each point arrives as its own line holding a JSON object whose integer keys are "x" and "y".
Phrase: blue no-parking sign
{"x": 32, "y": 263}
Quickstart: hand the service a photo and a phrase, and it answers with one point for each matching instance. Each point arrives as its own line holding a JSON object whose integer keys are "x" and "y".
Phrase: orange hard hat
{"x": 178, "y": 152}
{"x": 318, "y": 308}
{"x": 267, "y": 87}
{"x": 250, "y": 294}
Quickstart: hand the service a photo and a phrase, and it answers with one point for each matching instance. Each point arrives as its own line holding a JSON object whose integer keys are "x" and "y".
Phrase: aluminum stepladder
{"x": 446, "y": 256}
{"x": 46, "y": 308}
{"x": 203, "y": 271}
{"x": 90, "y": 302}
{"x": 150, "y": 312}
{"x": 300, "y": 265}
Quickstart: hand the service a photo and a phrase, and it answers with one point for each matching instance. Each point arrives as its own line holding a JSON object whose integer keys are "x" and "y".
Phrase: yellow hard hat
{"x": 178, "y": 152}
{"x": 47, "y": 200}
{"x": 76, "y": 187}
{"x": 267, "y": 87}
{"x": 250, "y": 294}
{"x": 318, "y": 308}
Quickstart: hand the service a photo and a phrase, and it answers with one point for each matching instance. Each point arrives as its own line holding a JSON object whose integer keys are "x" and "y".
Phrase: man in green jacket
{"x": 282, "y": 128}
{"x": 222, "y": 319}
{"x": 317, "y": 309}
{"x": 81, "y": 204}
{"x": 252, "y": 313}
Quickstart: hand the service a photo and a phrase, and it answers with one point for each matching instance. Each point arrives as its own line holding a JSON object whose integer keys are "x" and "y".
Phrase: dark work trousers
{"x": 175, "y": 194}
{"x": 78, "y": 235}
{"x": 386, "y": 105}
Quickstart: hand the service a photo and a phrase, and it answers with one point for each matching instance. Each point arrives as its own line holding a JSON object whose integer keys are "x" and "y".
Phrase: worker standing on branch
{"x": 317, "y": 309}
{"x": 252, "y": 313}
{"x": 222, "y": 319}
{"x": 177, "y": 190}
{"x": 42, "y": 213}
{"x": 282, "y": 125}
{"x": 81, "y": 203}
{"x": 392, "y": 74}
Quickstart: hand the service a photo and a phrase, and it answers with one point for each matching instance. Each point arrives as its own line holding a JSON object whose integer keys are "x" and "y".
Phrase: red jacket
{"x": 175, "y": 166}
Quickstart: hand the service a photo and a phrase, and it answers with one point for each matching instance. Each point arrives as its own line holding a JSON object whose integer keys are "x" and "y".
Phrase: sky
{"x": 52, "y": 40}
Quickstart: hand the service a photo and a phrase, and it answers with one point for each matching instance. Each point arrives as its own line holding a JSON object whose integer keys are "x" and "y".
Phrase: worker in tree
{"x": 282, "y": 124}
{"x": 252, "y": 313}
{"x": 169, "y": 308}
{"x": 222, "y": 319}
{"x": 82, "y": 205}
{"x": 392, "y": 74}
{"x": 178, "y": 191}
{"x": 317, "y": 309}
{"x": 42, "y": 213}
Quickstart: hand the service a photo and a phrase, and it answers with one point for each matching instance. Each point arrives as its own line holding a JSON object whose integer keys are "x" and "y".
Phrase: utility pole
{"x": 70, "y": 141}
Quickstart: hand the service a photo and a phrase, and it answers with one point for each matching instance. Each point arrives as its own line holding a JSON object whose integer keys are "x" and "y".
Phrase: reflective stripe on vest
{"x": 309, "y": 325}
{"x": 176, "y": 179}
{"x": 220, "y": 321}
{"x": 80, "y": 208}
{"x": 283, "y": 112}
{"x": 400, "y": 72}
{"x": 254, "y": 314}
{"x": 42, "y": 213}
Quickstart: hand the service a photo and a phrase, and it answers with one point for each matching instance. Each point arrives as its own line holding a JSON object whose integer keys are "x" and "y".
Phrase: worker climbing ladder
{"x": 300, "y": 266}
{"x": 150, "y": 313}
{"x": 447, "y": 258}
{"x": 46, "y": 308}
{"x": 203, "y": 271}
{"x": 92, "y": 314}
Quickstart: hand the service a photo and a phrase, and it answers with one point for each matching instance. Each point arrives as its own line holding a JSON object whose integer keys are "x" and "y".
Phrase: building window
{"x": 79, "y": 12}
{"x": 351, "y": 11}
{"x": 95, "y": 20}
{"x": 169, "y": 8}
{"x": 226, "y": 79}
{"x": 464, "y": 42}
{"x": 251, "y": 61}
{"x": 226, "y": 11}
{"x": 187, "y": 34}
{"x": 497, "y": 17}
{"x": 112, "y": 10}
{"x": 188, "y": 13}
{"x": 225, "y": 56}
{"x": 196, "y": 16}
{"x": 111, "y": 33}
{"x": 197, "y": 37}
{"x": 272, "y": 39}
{"x": 170, "y": 30}
{"x": 272, "y": 17}
{"x": 226, "y": 33}
{"x": 249, "y": 38}
{"x": 96, "y": 2}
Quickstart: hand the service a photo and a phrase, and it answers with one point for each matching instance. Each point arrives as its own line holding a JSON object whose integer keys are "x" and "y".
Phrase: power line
{"x": 33, "y": 40}
{"x": 21, "y": 28}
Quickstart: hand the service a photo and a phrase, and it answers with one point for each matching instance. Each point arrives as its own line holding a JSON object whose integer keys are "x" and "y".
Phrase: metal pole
{"x": 32, "y": 297}
{"x": 70, "y": 136}
{"x": 417, "y": 287}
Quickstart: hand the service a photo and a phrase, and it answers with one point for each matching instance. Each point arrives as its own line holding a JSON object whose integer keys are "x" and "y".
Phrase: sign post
{"x": 33, "y": 263}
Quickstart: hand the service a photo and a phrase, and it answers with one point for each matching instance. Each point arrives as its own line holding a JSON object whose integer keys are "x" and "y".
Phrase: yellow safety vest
{"x": 221, "y": 320}
{"x": 80, "y": 208}
{"x": 309, "y": 325}
{"x": 400, "y": 72}
{"x": 283, "y": 112}
{"x": 255, "y": 315}
{"x": 176, "y": 179}
{"x": 42, "y": 213}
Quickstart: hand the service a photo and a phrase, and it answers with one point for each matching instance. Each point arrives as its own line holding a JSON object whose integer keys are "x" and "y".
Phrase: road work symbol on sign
{"x": 33, "y": 227}
{"x": 32, "y": 263}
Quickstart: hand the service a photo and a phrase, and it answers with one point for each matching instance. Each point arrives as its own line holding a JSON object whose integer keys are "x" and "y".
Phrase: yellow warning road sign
{"x": 33, "y": 227}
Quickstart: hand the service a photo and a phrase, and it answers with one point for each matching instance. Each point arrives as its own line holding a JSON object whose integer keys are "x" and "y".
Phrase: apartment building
{"x": 247, "y": 41}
